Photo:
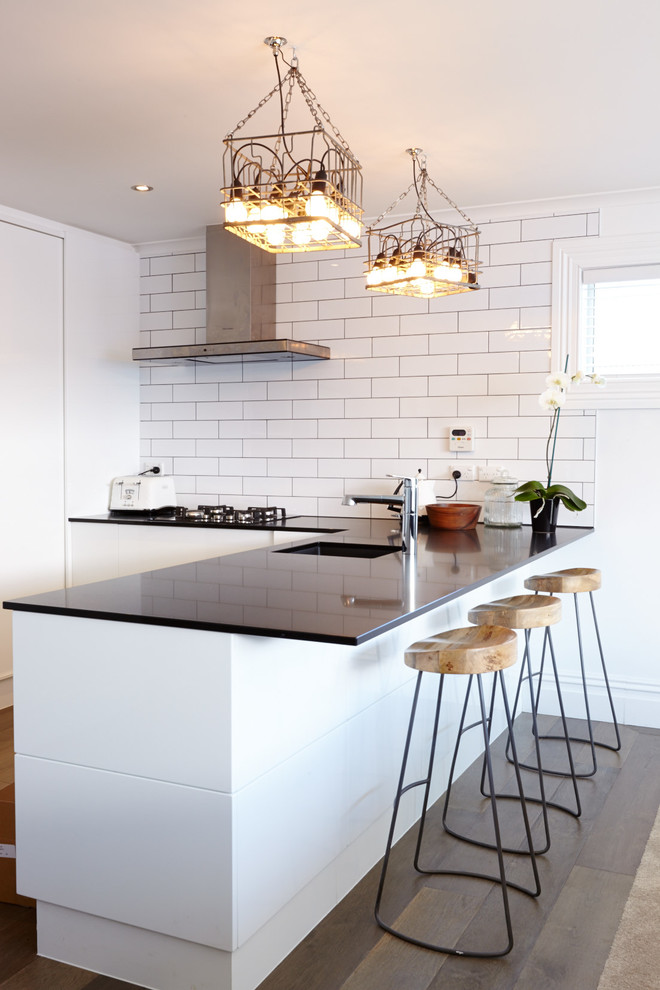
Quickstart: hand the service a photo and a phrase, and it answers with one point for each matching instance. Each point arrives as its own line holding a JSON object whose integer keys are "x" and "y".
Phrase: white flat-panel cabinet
{"x": 31, "y": 413}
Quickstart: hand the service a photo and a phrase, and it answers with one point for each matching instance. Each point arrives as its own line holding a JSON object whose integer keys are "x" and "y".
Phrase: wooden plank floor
{"x": 562, "y": 938}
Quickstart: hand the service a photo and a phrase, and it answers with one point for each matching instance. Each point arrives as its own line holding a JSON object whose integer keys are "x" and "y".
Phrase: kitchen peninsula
{"x": 206, "y": 753}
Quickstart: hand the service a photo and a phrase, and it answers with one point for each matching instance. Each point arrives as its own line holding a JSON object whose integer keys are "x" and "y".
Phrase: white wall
{"x": 402, "y": 370}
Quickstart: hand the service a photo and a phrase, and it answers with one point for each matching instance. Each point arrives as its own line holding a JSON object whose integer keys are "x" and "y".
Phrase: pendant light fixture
{"x": 421, "y": 256}
{"x": 292, "y": 190}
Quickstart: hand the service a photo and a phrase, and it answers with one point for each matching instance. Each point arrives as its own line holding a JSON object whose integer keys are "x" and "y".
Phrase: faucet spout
{"x": 409, "y": 510}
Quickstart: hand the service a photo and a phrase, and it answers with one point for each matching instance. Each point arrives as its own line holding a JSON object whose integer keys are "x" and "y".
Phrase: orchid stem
{"x": 554, "y": 426}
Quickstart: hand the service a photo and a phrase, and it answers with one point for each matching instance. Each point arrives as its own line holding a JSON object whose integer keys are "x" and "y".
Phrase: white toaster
{"x": 142, "y": 493}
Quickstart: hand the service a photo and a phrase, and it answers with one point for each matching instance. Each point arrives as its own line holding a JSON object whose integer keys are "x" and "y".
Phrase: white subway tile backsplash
{"x": 188, "y": 282}
{"x": 169, "y": 264}
{"x": 430, "y": 364}
{"x": 488, "y": 405}
{"x": 293, "y": 428}
{"x": 345, "y": 428}
{"x": 432, "y": 406}
{"x": 182, "y": 319}
{"x": 375, "y": 367}
{"x": 267, "y": 447}
{"x": 522, "y": 295}
{"x": 523, "y": 339}
{"x": 371, "y": 408}
{"x": 329, "y": 289}
{"x": 155, "y": 283}
{"x": 488, "y": 364}
{"x": 372, "y": 447}
{"x": 381, "y": 387}
{"x": 291, "y": 467}
{"x": 402, "y": 370}
{"x": 402, "y": 427}
{"x": 156, "y": 321}
{"x": 317, "y": 408}
{"x": 343, "y": 309}
{"x": 172, "y": 301}
{"x": 521, "y": 253}
{"x": 458, "y": 343}
{"x": 417, "y": 344}
{"x": 430, "y": 323}
{"x": 458, "y": 385}
{"x": 195, "y": 393}
{"x": 324, "y": 447}
{"x": 345, "y": 388}
{"x": 372, "y": 326}
{"x": 220, "y": 448}
{"x": 204, "y": 429}
{"x": 551, "y": 227}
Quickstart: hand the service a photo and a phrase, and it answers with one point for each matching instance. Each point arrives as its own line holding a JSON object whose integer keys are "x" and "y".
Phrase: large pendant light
{"x": 421, "y": 256}
{"x": 292, "y": 190}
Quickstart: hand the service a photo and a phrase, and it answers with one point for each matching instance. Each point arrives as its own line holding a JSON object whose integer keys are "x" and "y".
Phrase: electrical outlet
{"x": 487, "y": 472}
{"x": 468, "y": 471}
{"x": 150, "y": 464}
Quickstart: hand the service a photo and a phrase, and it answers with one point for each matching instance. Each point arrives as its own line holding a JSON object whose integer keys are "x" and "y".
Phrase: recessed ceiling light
{"x": 142, "y": 188}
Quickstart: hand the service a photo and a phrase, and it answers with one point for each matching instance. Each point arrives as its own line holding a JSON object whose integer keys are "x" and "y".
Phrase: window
{"x": 606, "y": 316}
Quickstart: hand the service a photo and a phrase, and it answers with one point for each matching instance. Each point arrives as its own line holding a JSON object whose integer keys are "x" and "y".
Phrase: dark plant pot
{"x": 546, "y": 520}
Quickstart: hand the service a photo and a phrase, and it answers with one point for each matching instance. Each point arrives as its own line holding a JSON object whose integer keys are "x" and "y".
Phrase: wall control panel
{"x": 461, "y": 437}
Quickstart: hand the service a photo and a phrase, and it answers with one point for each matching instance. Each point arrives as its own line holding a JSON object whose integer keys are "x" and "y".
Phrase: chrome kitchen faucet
{"x": 409, "y": 508}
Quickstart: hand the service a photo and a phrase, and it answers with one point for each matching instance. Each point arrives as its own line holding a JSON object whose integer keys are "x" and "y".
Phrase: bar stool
{"x": 472, "y": 651}
{"x": 529, "y": 612}
{"x": 575, "y": 581}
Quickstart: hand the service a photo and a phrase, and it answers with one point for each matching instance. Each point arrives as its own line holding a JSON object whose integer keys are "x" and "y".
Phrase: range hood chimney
{"x": 240, "y": 311}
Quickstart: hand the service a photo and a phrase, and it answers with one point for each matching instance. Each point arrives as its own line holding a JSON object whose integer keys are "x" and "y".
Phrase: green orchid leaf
{"x": 568, "y": 498}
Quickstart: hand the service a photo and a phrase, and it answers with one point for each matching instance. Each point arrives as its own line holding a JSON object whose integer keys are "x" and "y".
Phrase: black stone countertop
{"x": 330, "y": 599}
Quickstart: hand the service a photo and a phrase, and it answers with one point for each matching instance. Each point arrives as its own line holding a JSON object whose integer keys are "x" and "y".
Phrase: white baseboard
{"x": 635, "y": 702}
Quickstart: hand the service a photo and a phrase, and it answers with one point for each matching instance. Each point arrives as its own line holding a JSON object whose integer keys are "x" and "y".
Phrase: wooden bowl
{"x": 454, "y": 515}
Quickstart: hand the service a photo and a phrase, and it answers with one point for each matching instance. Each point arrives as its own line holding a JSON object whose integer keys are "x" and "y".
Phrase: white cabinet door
{"x": 31, "y": 419}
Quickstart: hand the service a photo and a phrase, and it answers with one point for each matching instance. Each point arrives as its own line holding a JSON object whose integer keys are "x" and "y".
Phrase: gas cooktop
{"x": 227, "y": 515}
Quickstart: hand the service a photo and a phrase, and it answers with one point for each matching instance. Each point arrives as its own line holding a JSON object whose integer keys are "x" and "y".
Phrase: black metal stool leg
{"x": 500, "y": 878}
{"x": 591, "y": 741}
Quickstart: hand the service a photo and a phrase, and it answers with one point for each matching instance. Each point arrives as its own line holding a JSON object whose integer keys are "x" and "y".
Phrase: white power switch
{"x": 461, "y": 437}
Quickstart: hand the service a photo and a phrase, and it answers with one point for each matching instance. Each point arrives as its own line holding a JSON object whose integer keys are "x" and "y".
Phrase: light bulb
{"x": 272, "y": 211}
{"x": 417, "y": 269}
{"x": 389, "y": 273}
{"x": 235, "y": 211}
{"x": 374, "y": 276}
{"x": 320, "y": 230}
{"x": 350, "y": 225}
{"x": 425, "y": 286}
{"x": 302, "y": 234}
{"x": 276, "y": 235}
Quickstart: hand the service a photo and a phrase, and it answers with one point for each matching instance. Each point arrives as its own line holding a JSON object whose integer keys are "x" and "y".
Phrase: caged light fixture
{"x": 421, "y": 256}
{"x": 296, "y": 190}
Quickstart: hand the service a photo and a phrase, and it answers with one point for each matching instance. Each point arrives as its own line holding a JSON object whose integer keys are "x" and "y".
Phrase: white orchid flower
{"x": 577, "y": 378}
{"x": 552, "y": 398}
{"x": 558, "y": 379}
{"x": 597, "y": 380}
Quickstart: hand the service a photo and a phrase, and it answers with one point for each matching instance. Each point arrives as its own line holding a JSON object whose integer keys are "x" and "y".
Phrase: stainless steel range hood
{"x": 240, "y": 311}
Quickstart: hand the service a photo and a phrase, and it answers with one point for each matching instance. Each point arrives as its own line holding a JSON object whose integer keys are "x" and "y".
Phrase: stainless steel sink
{"x": 323, "y": 549}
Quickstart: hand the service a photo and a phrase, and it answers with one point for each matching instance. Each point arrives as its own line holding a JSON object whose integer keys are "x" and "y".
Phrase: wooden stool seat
{"x": 472, "y": 650}
{"x": 518, "y": 612}
{"x": 572, "y": 580}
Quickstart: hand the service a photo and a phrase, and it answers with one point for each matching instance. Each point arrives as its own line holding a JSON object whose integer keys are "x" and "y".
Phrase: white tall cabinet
{"x": 69, "y": 402}
{"x": 32, "y": 418}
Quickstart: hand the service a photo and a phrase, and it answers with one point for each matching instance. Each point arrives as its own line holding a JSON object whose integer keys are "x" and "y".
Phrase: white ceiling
{"x": 511, "y": 101}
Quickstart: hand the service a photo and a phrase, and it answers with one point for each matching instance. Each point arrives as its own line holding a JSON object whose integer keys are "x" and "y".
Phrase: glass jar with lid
{"x": 500, "y": 507}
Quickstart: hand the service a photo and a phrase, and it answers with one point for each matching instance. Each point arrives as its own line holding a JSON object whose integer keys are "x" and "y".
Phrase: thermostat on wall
{"x": 461, "y": 437}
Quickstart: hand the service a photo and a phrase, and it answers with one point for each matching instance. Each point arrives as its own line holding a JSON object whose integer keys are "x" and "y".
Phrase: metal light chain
{"x": 391, "y": 207}
{"x": 452, "y": 203}
{"x": 312, "y": 102}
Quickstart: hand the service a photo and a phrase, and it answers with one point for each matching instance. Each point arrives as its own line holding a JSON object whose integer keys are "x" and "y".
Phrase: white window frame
{"x": 569, "y": 258}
